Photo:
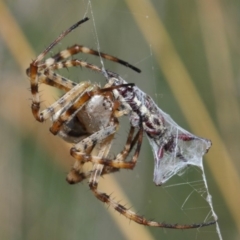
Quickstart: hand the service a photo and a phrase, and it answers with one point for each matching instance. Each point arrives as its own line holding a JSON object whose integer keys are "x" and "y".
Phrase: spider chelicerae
{"x": 87, "y": 115}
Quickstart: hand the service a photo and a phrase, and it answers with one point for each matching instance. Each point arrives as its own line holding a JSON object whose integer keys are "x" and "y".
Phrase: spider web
{"x": 170, "y": 164}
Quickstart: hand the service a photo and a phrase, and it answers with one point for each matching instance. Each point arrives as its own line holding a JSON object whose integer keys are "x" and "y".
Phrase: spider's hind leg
{"x": 105, "y": 198}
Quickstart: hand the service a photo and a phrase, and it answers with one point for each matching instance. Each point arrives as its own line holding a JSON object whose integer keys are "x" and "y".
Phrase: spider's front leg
{"x": 35, "y": 69}
{"x": 64, "y": 102}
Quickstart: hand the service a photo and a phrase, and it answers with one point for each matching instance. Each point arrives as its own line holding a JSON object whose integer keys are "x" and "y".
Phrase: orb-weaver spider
{"x": 87, "y": 115}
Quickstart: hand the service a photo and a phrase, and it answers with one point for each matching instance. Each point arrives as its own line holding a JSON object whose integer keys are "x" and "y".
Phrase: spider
{"x": 87, "y": 115}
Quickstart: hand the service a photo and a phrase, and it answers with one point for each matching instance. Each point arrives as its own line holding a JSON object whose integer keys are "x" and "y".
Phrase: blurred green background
{"x": 189, "y": 55}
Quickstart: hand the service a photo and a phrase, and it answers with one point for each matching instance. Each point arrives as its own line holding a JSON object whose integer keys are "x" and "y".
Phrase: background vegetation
{"x": 189, "y": 55}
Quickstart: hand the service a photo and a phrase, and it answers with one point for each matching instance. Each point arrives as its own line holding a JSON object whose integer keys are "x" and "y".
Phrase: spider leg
{"x": 49, "y": 78}
{"x": 121, "y": 157}
{"x": 53, "y": 79}
{"x": 103, "y": 152}
{"x": 119, "y": 161}
{"x": 75, "y": 49}
{"x": 76, "y": 176}
{"x": 41, "y": 56}
{"x": 64, "y": 101}
{"x": 105, "y": 198}
{"x": 78, "y": 151}
{"x": 72, "y": 108}
{"x": 76, "y": 63}
{"x": 72, "y": 63}
{"x": 58, "y": 61}
{"x": 33, "y": 69}
{"x": 62, "y": 83}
